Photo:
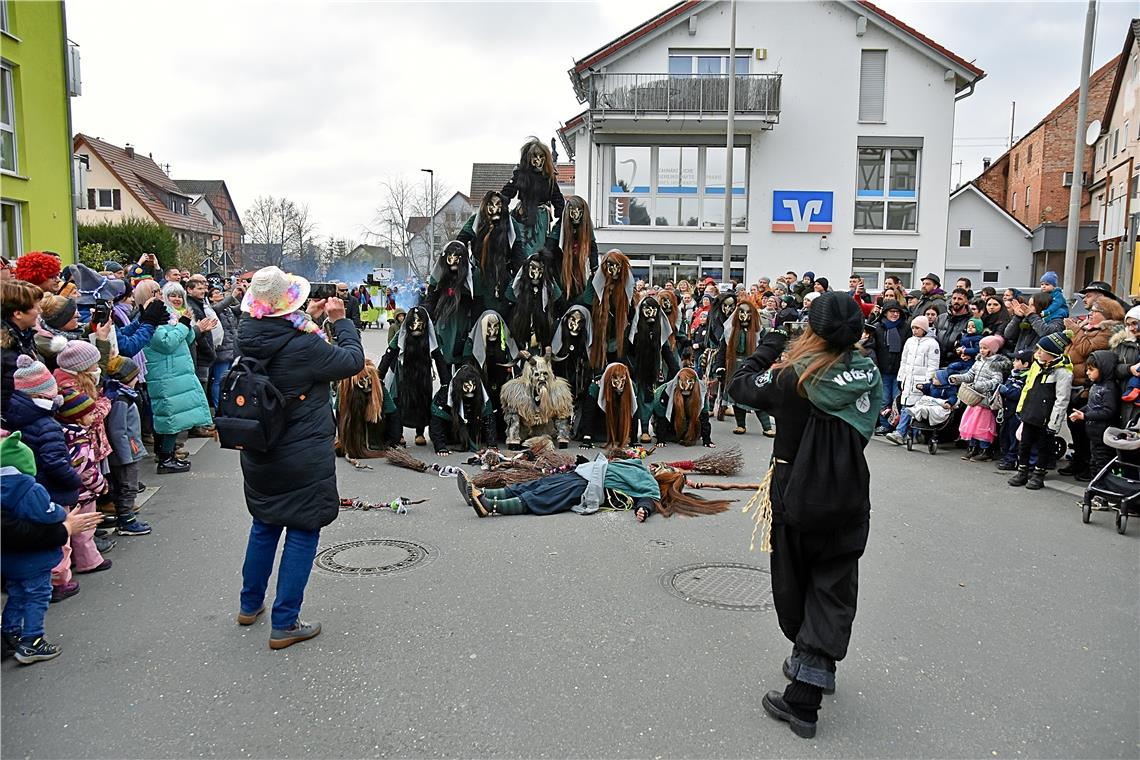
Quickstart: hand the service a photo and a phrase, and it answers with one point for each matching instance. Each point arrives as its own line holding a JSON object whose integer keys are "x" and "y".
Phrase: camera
{"x": 101, "y": 312}
{"x": 321, "y": 290}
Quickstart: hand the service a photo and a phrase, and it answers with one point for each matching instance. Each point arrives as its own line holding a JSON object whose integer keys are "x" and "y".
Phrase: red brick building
{"x": 218, "y": 195}
{"x": 1028, "y": 179}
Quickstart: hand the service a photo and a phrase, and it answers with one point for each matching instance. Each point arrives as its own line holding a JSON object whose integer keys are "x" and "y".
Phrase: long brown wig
{"x": 687, "y": 409}
{"x": 613, "y": 298}
{"x": 730, "y": 354}
{"x": 360, "y": 404}
{"x": 548, "y": 158}
{"x": 575, "y": 248}
{"x": 674, "y": 314}
{"x": 814, "y": 354}
{"x": 619, "y": 407}
{"x": 674, "y": 500}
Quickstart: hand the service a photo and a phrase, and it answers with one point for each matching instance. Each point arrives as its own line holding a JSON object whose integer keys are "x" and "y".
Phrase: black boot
{"x": 970, "y": 454}
{"x": 798, "y": 706}
{"x": 1021, "y": 478}
{"x": 985, "y": 455}
{"x": 172, "y": 465}
{"x": 1036, "y": 480}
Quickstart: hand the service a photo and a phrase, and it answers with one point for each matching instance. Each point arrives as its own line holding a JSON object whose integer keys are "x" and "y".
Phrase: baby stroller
{"x": 928, "y": 418}
{"x": 1117, "y": 485}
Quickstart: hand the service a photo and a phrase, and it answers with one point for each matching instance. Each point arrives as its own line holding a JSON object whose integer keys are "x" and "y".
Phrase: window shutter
{"x": 872, "y": 85}
{"x": 116, "y": 200}
{"x": 91, "y": 198}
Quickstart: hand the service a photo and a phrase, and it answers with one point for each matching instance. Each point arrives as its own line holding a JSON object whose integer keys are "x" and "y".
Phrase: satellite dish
{"x": 1093, "y": 132}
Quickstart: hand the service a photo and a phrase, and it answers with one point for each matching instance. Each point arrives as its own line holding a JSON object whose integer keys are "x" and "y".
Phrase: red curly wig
{"x": 36, "y": 267}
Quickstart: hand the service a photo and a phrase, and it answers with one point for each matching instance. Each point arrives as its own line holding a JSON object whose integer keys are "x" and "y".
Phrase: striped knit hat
{"x": 122, "y": 369}
{"x": 1055, "y": 343}
{"x": 77, "y": 356}
{"x": 76, "y": 403}
{"x": 32, "y": 378}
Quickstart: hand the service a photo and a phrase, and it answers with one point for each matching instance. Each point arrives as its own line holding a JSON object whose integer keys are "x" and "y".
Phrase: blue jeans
{"x": 217, "y": 373}
{"x": 890, "y": 390}
{"x": 28, "y": 600}
{"x": 292, "y": 571}
{"x": 904, "y": 421}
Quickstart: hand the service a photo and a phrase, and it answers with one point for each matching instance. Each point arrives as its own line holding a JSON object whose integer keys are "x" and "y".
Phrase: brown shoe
{"x": 421, "y": 441}
{"x": 738, "y": 430}
{"x": 287, "y": 637}
{"x": 249, "y": 618}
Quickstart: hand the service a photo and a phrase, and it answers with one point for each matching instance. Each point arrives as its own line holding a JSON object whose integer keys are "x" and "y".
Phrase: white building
{"x": 843, "y": 134}
{"x": 986, "y": 243}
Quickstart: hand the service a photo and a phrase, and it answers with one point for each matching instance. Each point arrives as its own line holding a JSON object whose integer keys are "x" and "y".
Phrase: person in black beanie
{"x": 825, "y": 396}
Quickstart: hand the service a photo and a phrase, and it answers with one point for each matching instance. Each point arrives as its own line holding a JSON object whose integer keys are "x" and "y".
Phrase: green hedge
{"x": 131, "y": 238}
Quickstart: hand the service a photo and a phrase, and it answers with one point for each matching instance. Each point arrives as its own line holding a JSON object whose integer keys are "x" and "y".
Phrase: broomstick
{"x": 727, "y": 462}
{"x": 401, "y": 458}
{"x": 722, "y": 486}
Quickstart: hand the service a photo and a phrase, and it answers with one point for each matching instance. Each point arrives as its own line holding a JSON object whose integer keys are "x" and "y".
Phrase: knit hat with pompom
{"x": 33, "y": 379}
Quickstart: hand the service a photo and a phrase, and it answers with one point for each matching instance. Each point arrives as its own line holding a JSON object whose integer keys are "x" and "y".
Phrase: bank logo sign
{"x": 801, "y": 210}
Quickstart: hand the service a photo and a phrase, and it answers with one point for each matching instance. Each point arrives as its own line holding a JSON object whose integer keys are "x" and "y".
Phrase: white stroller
{"x": 1117, "y": 485}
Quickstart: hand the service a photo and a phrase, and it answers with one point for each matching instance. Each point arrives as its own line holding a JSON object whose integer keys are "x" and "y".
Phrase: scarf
{"x": 894, "y": 340}
{"x": 849, "y": 390}
{"x": 303, "y": 322}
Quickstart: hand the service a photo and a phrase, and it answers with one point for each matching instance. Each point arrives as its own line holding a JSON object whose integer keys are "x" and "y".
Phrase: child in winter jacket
{"x": 1057, "y": 308}
{"x": 78, "y": 369}
{"x": 27, "y": 574}
{"x": 124, "y": 430}
{"x": 979, "y": 423}
{"x": 31, "y": 410}
{"x": 916, "y": 367}
{"x": 969, "y": 344}
{"x": 1044, "y": 400}
{"x": 1102, "y": 409}
{"x": 1008, "y": 418}
{"x": 77, "y": 414}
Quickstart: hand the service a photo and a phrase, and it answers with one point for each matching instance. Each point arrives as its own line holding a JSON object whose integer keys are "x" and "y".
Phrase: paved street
{"x": 992, "y": 624}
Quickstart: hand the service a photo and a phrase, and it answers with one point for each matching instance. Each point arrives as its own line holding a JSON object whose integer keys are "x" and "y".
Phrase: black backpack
{"x": 252, "y": 413}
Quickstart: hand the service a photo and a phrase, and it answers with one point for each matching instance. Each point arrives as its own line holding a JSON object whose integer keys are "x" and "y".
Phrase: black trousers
{"x": 1100, "y": 454}
{"x": 1082, "y": 452}
{"x": 815, "y": 586}
{"x": 1037, "y": 436}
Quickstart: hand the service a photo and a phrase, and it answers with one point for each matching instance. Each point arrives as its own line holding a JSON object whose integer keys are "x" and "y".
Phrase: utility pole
{"x": 726, "y": 256}
{"x": 431, "y": 220}
{"x": 1012, "y": 116}
{"x": 1077, "y": 188}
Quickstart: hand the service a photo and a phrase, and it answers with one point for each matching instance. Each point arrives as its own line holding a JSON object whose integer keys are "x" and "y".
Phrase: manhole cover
{"x": 373, "y": 556}
{"x": 725, "y": 586}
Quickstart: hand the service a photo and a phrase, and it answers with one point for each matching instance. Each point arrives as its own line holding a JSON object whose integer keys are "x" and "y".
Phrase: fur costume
{"x": 649, "y": 345}
{"x": 492, "y": 236}
{"x": 611, "y": 295}
{"x": 360, "y": 432}
{"x": 406, "y": 369}
{"x": 576, "y": 255}
{"x": 615, "y": 411}
{"x": 451, "y": 299}
{"x": 571, "y": 356}
{"x": 535, "y": 297}
{"x": 679, "y": 411}
{"x": 461, "y": 415}
{"x": 537, "y": 403}
{"x": 535, "y": 183}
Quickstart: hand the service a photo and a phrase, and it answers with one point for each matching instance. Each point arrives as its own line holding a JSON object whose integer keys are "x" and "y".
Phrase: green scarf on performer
{"x": 851, "y": 390}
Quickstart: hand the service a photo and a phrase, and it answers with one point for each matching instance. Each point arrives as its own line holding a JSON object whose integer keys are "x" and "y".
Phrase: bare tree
{"x": 401, "y": 202}
{"x": 267, "y": 225}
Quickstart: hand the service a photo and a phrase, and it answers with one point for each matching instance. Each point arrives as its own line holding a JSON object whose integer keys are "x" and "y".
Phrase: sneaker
{"x": 287, "y": 637}
{"x": 141, "y": 486}
{"x": 971, "y": 454}
{"x": 1007, "y": 466}
{"x": 135, "y": 527}
{"x": 249, "y": 618}
{"x": 1036, "y": 480}
{"x": 104, "y": 545}
{"x": 173, "y": 466}
{"x": 104, "y": 565}
{"x": 102, "y": 532}
{"x": 882, "y": 430}
{"x": 66, "y": 591}
{"x": 468, "y": 491}
{"x": 37, "y": 650}
{"x": 894, "y": 438}
{"x": 985, "y": 455}
{"x": 11, "y": 642}
{"x": 775, "y": 706}
{"x": 769, "y": 432}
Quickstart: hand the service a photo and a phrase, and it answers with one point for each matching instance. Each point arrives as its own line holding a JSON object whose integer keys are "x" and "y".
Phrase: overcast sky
{"x": 320, "y": 101}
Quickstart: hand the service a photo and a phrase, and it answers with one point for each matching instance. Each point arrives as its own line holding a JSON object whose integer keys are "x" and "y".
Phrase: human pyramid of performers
{"x": 532, "y": 334}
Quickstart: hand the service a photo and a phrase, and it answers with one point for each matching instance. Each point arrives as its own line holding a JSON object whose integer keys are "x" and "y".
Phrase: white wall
{"x": 814, "y": 147}
{"x": 997, "y": 245}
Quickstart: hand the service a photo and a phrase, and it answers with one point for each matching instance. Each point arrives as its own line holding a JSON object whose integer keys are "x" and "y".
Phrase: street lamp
{"x": 431, "y": 221}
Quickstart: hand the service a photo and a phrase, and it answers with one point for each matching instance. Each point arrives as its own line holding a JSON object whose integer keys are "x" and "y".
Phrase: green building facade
{"x": 38, "y": 74}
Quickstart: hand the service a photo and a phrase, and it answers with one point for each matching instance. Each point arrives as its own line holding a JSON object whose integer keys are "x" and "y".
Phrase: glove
{"x": 775, "y": 339}
{"x": 154, "y": 314}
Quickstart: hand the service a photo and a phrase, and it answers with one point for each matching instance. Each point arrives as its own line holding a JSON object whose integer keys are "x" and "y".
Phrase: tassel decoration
{"x": 762, "y": 516}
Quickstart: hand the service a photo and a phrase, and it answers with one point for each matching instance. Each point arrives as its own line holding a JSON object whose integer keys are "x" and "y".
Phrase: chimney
{"x": 986, "y": 163}
{"x": 130, "y": 151}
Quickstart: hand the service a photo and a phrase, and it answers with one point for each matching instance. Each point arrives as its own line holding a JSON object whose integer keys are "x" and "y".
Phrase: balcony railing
{"x": 688, "y": 94}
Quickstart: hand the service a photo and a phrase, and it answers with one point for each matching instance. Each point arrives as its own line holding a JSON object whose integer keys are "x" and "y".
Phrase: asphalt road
{"x": 992, "y": 623}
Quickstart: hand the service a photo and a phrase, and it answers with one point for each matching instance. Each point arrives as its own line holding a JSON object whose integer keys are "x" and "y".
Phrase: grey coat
{"x": 985, "y": 375}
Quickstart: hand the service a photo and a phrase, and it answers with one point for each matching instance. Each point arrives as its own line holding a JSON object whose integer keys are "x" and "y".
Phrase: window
{"x": 1125, "y": 131}
{"x": 872, "y": 85}
{"x": 7, "y": 121}
{"x": 5, "y": 22}
{"x": 178, "y": 205}
{"x": 674, "y": 186}
{"x": 1017, "y": 162}
{"x": 1028, "y": 190}
{"x": 10, "y": 223}
{"x": 1029, "y": 155}
{"x": 990, "y": 276}
{"x": 1014, "y": 206}
{"x": 684, "y": 63}
{"x": 105, "y": 199}
{"x": 886, "y": 190}
{"x": 965, "y": 238}
{"x": 1115, "y": 142}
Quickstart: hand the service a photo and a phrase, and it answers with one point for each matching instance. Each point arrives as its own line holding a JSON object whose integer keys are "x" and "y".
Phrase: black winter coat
{"x": 295, "y": 484}
{"x": 13, "y": 342}
{"x": 888, "y": 362}
{"x": 44, "y": 436}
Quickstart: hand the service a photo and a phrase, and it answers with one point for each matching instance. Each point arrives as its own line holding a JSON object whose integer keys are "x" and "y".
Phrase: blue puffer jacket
{"x": 25, "y": 499}
{"x": 44, "y": 437}
{"x": 177, "y": 400}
